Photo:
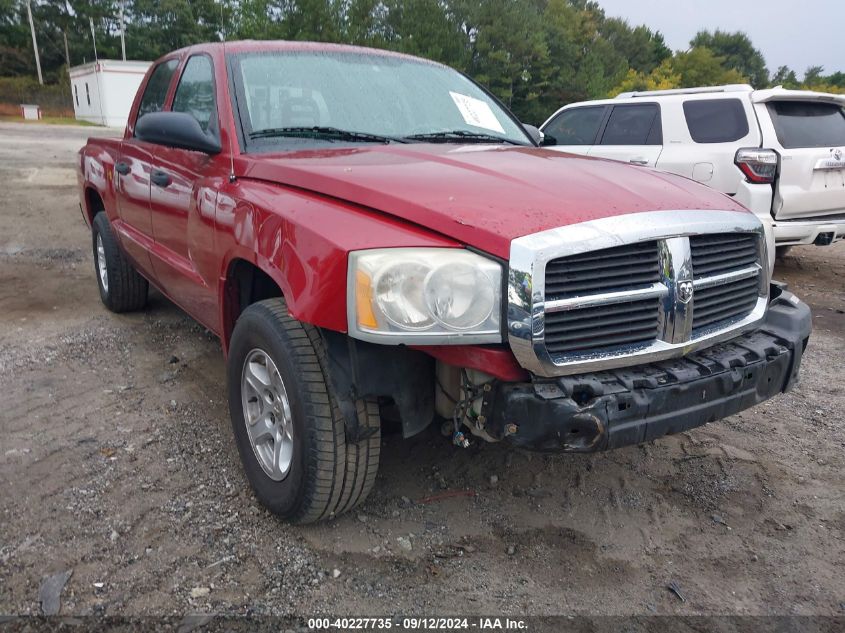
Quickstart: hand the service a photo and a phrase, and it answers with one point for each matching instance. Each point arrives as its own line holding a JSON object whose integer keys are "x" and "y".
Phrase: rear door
{"x": 633, "y": 134}
{"x": 132, "y": 173}
{"x": 809, "y": 134}
{"x": 575, "y": 129}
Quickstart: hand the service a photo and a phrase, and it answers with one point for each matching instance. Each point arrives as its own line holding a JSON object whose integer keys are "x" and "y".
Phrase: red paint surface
{"x": 496, "y": 361}
{"x": 297, "y": 215}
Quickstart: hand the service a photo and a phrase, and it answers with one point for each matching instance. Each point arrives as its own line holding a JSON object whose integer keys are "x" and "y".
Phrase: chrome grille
{"x": 630, "y": 289}
{"x": 603, "y": 271}
{"x": 581, "y": 328}
{"x": 721, "y": 253}
{"x": 727, "y": 302}
{"x": 602, "y": 326}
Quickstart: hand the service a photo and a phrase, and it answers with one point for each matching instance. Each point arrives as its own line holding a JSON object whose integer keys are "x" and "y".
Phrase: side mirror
{"x": 534, "y": 133}
{"x": 175, "y": 129}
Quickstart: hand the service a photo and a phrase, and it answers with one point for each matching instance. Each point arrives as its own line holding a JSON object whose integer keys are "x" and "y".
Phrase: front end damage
{"x": 619, "y": 407}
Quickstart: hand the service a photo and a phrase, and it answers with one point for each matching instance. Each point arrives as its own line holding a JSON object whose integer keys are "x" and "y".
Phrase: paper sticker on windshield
{"x": 477, "y": 113}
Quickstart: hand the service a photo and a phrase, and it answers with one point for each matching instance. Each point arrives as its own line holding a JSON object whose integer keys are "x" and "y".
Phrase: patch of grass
{"x": 50, "y": 120}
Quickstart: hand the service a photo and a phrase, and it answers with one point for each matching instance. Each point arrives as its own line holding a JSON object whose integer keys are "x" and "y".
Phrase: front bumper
{"x": 614, "y": 408}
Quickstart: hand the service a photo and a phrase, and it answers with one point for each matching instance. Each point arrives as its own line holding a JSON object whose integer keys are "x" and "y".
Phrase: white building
{"x": 103, "y": 91}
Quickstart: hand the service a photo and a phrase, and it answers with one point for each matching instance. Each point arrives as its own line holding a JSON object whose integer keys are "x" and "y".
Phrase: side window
{"x": 578, "y": 126}
{"x": 87, "y": 93}
{"x": 633, "y": 125}
{"x": 716, "y": 120}
{"x": 156, "y": 90}
{"x": 76, "y": 93}
{"x": 195, "y": 93}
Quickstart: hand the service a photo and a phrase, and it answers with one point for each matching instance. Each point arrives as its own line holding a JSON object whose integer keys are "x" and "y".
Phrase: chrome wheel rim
{"x": 267, "y": 415}
{"x": 101, "y": 264}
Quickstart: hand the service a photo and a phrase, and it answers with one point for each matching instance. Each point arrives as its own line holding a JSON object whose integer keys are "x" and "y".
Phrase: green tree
{"x": 813, "y": 76}
{"x": 661, "y": 78}
{"x": 507, "y": 51}
{"x": 588, "y": 53}
{"x": 738, "y": 53}
{"x": 642, "y": 48}
{"x": 156, "y": 27}
{"x": 427, "y": 28}
{"x": 785, "y": 76}
{"x": 690, "y": 69}
{"x": 702, "y": 67}
{"x": 16, "y": 56}
{"x": 836, "y": 79}
{"x": 315, "y": 20}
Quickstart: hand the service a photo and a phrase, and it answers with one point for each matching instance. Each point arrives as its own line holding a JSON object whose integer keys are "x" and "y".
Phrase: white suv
{"x": 781, "y": 153}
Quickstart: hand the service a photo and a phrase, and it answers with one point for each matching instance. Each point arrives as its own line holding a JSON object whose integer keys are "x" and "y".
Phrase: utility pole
{"x": 122, "y": 30}
{"x": 93, "y": 37}
{"x": 34, "y": 41}
{"x": 67, "y": 51}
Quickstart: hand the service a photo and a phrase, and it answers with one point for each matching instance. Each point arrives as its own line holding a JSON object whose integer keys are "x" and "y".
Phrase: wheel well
{"x": 246, "y": 284}
{"x": 93, "y": 204}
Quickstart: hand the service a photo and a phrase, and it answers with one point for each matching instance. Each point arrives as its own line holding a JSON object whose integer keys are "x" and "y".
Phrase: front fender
{"x": 302, "y": 240}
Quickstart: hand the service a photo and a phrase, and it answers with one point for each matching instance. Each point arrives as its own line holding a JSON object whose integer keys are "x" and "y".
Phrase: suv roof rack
{"x": 687, "y": 91}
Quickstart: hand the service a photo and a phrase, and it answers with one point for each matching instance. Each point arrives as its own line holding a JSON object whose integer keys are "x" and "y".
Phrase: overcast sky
{"x": 788, "y": 33}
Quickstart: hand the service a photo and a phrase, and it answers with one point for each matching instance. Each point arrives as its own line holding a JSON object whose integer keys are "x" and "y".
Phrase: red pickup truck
{"x": 374, "y": 234}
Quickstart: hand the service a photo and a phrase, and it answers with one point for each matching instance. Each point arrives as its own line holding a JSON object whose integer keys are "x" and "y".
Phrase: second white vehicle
{"x": 781, "y": 153}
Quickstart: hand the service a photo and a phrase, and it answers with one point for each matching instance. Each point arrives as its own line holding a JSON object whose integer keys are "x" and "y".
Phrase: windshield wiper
{"x": 322, "y": 133}
{"x": 462, "y": 136}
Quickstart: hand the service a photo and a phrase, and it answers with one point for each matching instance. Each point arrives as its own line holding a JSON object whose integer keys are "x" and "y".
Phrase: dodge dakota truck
{"x": 374, "y": 235}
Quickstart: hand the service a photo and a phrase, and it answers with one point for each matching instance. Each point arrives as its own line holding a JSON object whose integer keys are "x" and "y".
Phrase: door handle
{"x": 639, "y": 161}
{"x": 122, "y": 168}
{"x": 160, "y": 178}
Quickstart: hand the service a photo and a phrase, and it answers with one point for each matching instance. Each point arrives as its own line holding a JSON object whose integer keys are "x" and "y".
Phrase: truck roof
{"x": 257, "y": 46}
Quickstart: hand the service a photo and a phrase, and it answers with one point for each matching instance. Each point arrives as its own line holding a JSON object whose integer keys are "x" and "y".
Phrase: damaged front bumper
{"x": 614, "y": 408}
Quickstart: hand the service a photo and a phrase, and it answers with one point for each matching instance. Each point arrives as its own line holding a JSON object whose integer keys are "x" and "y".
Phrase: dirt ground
{"x": 117, "y": 464}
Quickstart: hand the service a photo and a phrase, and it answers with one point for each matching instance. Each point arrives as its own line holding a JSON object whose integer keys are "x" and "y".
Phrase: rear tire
{"x": 122, "y": 289}
{"x": 782, "y": 251}
{"x": 277, "y": 375}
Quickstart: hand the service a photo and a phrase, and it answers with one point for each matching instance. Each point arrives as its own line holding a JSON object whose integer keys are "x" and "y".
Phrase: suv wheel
{"x": 122, "y": 289}
{"x": 288, "y": 427}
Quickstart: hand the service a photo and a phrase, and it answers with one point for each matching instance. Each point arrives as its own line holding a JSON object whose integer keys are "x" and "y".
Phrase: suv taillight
{"x": 758, "y": 165}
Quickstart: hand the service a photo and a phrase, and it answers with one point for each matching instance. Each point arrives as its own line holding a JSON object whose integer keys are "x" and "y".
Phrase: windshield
{"x": 291, "y": 100}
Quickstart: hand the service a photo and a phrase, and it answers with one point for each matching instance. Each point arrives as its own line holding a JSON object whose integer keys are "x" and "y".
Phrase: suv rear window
{"x": 716, "y": 120}
{"x": 808, "y": 124}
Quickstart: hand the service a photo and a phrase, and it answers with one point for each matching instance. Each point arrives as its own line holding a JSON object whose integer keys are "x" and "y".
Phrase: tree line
{"x": 535, "y": 55}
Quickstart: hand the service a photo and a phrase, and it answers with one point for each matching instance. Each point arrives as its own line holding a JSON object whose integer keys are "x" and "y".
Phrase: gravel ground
{"x": 118, "y": 467}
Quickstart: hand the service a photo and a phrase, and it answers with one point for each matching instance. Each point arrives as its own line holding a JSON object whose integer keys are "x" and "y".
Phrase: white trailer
{"x": 103, "y": 91}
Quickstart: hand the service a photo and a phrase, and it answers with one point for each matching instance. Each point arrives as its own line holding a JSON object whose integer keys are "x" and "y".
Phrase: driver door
{"x": 183, "y": 197}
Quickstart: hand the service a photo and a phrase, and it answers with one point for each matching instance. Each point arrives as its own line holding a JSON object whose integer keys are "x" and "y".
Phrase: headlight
{"x": 424, "y": 296}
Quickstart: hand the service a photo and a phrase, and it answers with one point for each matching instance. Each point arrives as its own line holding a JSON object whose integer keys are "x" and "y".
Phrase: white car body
{"x": 697, "y": 132}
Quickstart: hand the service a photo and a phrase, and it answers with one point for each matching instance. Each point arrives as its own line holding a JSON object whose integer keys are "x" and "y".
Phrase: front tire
{"x": 290, "y": 432}
{"x": 122, "y": 288}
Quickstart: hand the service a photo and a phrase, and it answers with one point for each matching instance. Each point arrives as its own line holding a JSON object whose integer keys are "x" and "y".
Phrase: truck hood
{"x": 482, "y": 195}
